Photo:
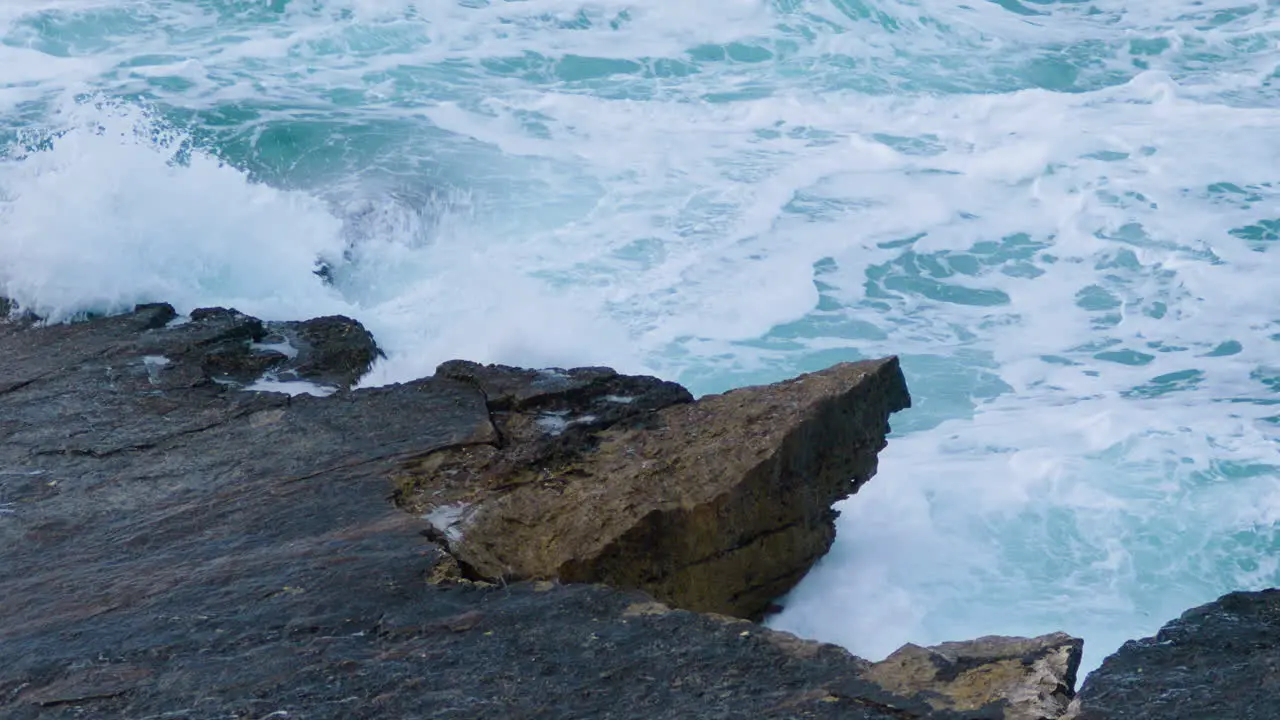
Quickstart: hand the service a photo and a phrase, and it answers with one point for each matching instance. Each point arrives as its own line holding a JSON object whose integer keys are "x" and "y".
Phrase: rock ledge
{"x": 719, "y": 505}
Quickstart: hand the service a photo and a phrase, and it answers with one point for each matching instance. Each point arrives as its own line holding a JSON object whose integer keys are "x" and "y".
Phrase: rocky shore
{"x": 178, "y": 542}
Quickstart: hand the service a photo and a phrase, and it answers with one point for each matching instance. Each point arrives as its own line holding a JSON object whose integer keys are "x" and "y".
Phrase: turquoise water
{"x": 1063, "y": 216}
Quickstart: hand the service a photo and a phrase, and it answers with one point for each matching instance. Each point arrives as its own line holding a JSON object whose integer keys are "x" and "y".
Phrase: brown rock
{"x": 445, "y": 572}
{"x": 645, "y": 608}
{"x": 717, "y": 506}
{"x": 1033, "y": 677}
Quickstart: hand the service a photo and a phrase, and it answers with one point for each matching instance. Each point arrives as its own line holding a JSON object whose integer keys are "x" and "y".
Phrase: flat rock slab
{"x": 174, "y": 546}
{"x": 1219, "y": 660}
{"x": 719, "y": 505}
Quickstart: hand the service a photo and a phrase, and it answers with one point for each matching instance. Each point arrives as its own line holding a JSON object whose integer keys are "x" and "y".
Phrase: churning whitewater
{"x": 1063, "y": 215}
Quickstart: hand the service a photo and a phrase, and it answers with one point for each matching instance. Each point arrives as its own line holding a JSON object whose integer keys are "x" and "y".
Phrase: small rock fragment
{"x": 1035, "y": 677}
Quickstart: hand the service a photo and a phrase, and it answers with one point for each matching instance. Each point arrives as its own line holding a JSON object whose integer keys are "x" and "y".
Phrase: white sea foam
{"x": 290, "y": 387}
{"x": 284, "y": 348}
{"x": 449, "y": 519}
{"x": 1063, "y": 222}
{"x": 104, "y": 219}
{"x": 153, "y": 363}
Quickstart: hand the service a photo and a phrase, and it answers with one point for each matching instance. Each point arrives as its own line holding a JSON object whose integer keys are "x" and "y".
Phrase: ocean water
{"x": 1064, "y": 217}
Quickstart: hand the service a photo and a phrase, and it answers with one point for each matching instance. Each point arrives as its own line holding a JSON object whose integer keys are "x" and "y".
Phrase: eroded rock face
{"x": 719, "y": 505}
{"x": 1219, "y": 660}
{"x": 1030, "y": 678}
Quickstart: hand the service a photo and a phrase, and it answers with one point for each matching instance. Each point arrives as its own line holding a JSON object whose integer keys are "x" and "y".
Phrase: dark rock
{"x": 226, "y": 346}
{"x": 173, "y": 547}
{"x": 162, "y": 314}
{"x": 1030, "y": 678}
{"x": 333, "y": 350}
{"x": 1219, "y": 660}
{"x": 718, "y": 506}
{"x": 12, "y": 312}
{"x": 246, "y": 327}
{"x": 599, "y": 392}
{"x": 217, "y": 340}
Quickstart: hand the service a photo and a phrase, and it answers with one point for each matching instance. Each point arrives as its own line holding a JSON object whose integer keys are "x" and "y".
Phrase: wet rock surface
{"x": 1219, "y": 660}
{"x": 1033, "y": 678}
{"x": 332, "y": 351}
{"x": 718, "y": 506}
{"x": 174, "y": 546}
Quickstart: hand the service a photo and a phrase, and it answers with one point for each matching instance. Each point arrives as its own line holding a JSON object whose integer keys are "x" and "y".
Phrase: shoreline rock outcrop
{"x": 174, "y": 544}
